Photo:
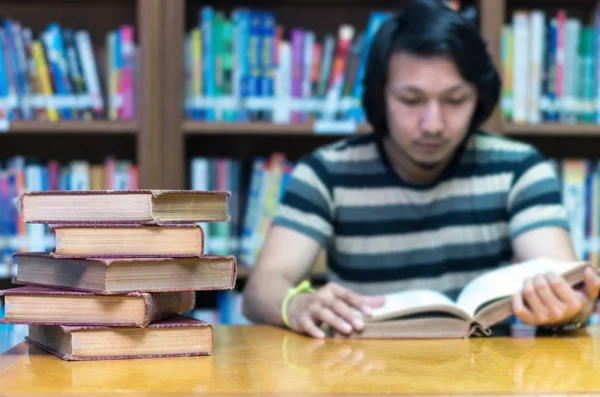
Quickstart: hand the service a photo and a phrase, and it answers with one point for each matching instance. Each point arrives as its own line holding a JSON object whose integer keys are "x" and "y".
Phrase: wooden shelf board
{"x": 73, "y": 127}
{"x": 557, "y": 130}
{"x": 257, "y": 128}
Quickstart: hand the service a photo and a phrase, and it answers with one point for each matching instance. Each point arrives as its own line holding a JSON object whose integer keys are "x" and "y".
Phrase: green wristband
{"x": 304, "y": 286}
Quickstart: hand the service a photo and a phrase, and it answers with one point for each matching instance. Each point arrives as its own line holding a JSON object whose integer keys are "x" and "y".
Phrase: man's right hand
{"x": 334, "y": 305}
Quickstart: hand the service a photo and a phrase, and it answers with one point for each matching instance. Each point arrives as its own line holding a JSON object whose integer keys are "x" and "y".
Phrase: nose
{"x": 433, "y": 119}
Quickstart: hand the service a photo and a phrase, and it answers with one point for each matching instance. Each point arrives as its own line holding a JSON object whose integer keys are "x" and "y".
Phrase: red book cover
{"x": 177, "y": 321}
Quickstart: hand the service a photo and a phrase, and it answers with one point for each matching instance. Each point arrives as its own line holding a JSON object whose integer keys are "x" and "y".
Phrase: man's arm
{"x": 548, "y": 300}
{"x": 301, "y": 227}
{"x": 539, "y": 227}
{"x": 553, "y": 242}
{"x": 285, "y": 259}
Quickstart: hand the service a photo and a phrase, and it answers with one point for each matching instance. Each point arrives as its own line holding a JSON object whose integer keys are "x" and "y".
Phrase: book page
{"x": 414, "y": 301}
{"x": 506, "y": 281}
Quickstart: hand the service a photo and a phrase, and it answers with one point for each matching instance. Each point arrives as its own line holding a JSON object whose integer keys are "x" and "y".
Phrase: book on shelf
{"x": 249, "y": 67}
{"x": 175, "y": 336}
{"x": 483, "y": 303}
{"x": 54, "y": 306}
{"x": 19, "y": 175}
{"x": 251, "y": 214}
{"x": 56, "y": 75}
{"x": 580, "y": 189}
{"x": 549, "y": 66}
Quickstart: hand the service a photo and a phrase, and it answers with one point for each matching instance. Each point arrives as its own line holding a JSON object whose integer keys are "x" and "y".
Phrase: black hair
{"x": 430, "y": 28}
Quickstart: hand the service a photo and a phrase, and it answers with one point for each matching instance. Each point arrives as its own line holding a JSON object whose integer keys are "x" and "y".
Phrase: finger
{"x": 326, "y": 296}
{"x": 521, "y": 310}
{"x": 532, "y": 299}
{"x": 327, "y": 316}
{"x": 592, "y": 284}
{"x": 307, "y": 325}
{"x": 572, "y": 300}
{"x": 349, "y": 315}
{"x": 374, "y": 301}
{"x": 352, "y": 298}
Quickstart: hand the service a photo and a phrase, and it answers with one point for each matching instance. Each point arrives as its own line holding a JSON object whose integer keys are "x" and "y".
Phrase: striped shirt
{"x": 383, "y": 234}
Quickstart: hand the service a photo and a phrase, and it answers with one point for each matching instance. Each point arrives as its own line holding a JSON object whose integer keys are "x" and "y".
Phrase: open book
{"x": 485, "y": 301}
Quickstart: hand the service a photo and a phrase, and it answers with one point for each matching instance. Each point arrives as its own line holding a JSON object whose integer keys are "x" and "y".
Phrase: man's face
{"x": 429, "y": 108}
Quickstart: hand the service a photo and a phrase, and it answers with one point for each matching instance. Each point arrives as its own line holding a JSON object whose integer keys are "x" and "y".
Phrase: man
{"x": 425, "y": 201}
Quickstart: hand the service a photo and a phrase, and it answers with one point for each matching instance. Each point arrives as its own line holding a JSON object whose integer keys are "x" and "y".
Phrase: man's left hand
{"x": 548, "y": 300}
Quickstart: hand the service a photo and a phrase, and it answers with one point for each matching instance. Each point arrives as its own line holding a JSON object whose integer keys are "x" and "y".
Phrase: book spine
{"x": 520, "y": 58}
{"x": 308, "y": 44}
{"x": 126, "y": 84}
{"x": 5, "y": 109}
{"x": 90, "y": 72}
{"x": 208, "y": 59}
{"x": 268, "y": 50}
{"x": 297, "y": 37}
{"x": 161, "y": 305}
{"x": 376, "y": 19}
{"x": 242, "y": 21}
{"x": 536, "y": 46}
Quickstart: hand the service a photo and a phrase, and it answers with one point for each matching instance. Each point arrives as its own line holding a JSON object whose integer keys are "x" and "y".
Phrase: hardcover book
{"x": 127, "y": 240}
{"x": 123, "y": 206}
{"x": 484, "y": 302}
{"x": 123, "y": 275}
{"x": 175, "y": 336}
{"x": 51, "y": 306}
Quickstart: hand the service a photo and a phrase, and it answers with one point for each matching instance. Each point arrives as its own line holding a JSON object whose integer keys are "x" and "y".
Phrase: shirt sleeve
{"x": 535, "y": 199}
{"x": 307, "y": 205}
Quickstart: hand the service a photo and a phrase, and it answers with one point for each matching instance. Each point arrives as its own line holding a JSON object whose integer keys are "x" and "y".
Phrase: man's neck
{"x": 408, "y": 170}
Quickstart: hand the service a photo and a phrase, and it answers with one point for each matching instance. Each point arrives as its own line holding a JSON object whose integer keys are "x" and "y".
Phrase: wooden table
{"x": 261, "y": 359}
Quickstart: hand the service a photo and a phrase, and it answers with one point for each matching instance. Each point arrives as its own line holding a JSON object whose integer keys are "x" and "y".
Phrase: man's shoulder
{"x": 354, "y": 149}
{"x": 491, "y": 147}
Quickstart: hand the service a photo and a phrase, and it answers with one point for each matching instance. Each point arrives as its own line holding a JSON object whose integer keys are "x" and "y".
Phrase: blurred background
{"x": 186, "y": 94}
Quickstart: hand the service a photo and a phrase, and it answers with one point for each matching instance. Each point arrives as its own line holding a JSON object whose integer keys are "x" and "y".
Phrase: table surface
{"x": 260, "y": 359}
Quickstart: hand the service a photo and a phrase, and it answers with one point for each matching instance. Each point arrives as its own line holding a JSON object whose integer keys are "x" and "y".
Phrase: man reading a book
{"x": 428, "y": 200}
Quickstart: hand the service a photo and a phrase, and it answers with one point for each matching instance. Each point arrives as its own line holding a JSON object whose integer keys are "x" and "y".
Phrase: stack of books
{"x": 123, "y": 272}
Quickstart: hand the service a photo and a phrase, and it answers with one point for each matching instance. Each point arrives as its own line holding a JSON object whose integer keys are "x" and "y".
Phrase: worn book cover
{"x": 127, "y": 240}
{"x": 52, "y": 306}
{"x": 123, "y": 206}
{"x": 175, "y": 336}
{"x": 123, "y": 275}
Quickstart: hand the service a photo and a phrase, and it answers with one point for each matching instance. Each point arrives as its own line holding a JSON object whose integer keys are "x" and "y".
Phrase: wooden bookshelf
{"x": 261, "y": 128}
{"x": 74, "y": 127}
{"x": 181, "y": 14}
{"x": 552, "y": 130}
{"x": 57, "y": 139}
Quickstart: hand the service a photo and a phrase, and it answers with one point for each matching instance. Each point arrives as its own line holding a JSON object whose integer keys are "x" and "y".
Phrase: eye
{"x": 456, "y": 101}
{"x": 410, "y": 101}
